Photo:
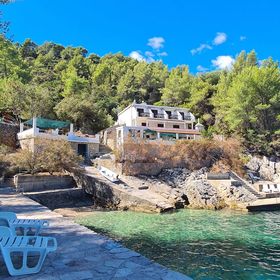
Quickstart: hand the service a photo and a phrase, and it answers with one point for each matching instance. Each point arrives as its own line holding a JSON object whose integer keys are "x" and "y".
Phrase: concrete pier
{"x": 82, "y": 254}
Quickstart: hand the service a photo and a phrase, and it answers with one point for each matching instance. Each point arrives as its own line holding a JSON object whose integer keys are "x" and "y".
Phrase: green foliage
{"x": 177, "y": 88}
{"x": 66, "y": 83}
{"x": 48, "y": 156}
{"x": 248, "y": 103}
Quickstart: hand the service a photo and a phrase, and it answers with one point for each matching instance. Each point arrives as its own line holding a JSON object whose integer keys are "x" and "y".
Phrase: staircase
{"x": 245, "y": 185}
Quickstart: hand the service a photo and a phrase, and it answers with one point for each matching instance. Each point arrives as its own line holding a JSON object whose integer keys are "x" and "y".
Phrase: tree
{"x": 84, "y": 113}
{"x": 251, "y": 104}
{"x": 203, "y": 88}
{"x": 177, "y": 87}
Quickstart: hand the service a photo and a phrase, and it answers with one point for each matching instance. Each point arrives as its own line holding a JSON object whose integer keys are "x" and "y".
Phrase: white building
{"x": 156, "y": 123}
{"x": 84, "y": 145}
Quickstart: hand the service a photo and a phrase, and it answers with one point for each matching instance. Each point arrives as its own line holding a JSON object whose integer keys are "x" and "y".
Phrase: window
{"x": 140, "y": 112}
{"x": 155, "y": 112}
{"x": 160, "y": 125}
{"x": 143, "y": 124}
{"x": 189, "y": 126}
{"x": 176, "y": 126}
{"x": 169, "y": 114}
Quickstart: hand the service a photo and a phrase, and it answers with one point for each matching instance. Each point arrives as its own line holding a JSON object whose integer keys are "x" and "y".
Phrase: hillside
{"x": 68, "y": 83}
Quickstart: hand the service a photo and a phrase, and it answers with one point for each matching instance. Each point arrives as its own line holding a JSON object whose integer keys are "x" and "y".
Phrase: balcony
{"x": 187, "y": 118}
{"x": 144, "y": 114}
{"x": 173, "y": 117}
{"x": 159, "y": 116}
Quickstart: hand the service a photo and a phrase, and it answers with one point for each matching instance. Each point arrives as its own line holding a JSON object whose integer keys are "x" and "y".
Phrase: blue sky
{"x": 203, "y": 34}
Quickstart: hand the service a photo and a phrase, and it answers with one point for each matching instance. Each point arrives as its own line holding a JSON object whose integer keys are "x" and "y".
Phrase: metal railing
{"x": 159, "y": 116}
{"x": 144, "y": 114}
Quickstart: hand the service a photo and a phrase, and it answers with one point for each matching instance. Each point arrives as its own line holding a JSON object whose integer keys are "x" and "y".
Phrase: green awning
{"x": 48, "y": 124}
{"x": 168, "y": 134}
{"x": 150, "y": 131}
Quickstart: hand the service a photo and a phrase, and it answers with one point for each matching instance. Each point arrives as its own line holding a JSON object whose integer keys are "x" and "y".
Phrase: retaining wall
{"x": 34, "y": 183}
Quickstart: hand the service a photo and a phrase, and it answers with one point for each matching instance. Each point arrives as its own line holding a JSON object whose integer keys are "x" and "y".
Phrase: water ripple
{"x": 202, "y": 244}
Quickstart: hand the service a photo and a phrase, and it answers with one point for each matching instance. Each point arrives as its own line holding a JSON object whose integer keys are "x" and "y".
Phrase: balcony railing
{"x": 144, "y": 114}
{"x": 173, "y": 117}
{"x": 159, "y": 116}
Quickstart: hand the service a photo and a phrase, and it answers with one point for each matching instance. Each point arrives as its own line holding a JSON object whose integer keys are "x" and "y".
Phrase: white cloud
{"x": 242, "y": 38}
{"x": 223, "y": 62}
{"x": 148, "y": 53}
{"x": 137, "y": 55}
{"x": 201, "y": 48}
{"x": 156, "y": 42}
{"x": 162, "y": 54}
{"x": 200, "y": 68}
{"x": 220, "y": 38}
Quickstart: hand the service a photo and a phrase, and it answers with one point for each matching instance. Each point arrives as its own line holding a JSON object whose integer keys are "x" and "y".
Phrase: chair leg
{"x": 24, "y": 268}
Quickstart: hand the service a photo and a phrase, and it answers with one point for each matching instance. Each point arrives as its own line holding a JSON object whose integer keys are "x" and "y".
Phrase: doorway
{"x": 82, "y": 150}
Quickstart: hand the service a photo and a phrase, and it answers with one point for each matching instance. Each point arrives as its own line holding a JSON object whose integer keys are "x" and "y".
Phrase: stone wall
{"x": 40, "y": 182}
{"x": 8, "y": 134}
{"x": 109, "y": 195}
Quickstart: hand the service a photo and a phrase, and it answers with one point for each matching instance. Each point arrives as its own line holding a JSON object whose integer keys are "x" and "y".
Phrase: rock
{"x": 236, "y": 194}
{"x": 202, "y": 195}
{"x": 269, "y": 169}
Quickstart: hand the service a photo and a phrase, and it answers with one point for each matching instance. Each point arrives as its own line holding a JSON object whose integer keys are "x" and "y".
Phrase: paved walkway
{"x": 82, "y": 254}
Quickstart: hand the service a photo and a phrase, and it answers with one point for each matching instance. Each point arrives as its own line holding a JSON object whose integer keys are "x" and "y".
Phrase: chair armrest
{"x": 53, "y": 246}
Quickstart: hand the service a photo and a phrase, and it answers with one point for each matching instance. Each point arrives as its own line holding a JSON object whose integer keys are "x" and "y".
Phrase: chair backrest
{"x": 265, "y": 188}
{"x": 5, "y": 234}
{"x": 4, "y": 222}
{"x": 8, "y": 215}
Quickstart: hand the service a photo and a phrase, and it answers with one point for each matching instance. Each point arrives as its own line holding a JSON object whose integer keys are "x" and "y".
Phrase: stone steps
{"x": 245, "y": 185}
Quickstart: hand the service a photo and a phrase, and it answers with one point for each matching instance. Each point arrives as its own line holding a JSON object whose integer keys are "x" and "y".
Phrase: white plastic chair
{"x": 266, "y": 188}
{"x": 25, "y": 226}
{"x": 275, "y": 189}
{"x": 25, "y": 246}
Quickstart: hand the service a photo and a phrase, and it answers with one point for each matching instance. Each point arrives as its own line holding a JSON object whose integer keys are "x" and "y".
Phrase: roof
{"x": 48, "y": 124}
{"x": 153, "y": 106}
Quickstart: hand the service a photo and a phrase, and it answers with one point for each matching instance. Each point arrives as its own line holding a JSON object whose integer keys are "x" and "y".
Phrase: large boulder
{"x": 201, "y": 194}
{"x": 269, "y": 169}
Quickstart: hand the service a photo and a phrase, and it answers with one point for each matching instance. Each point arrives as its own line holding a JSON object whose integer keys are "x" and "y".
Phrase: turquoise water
{"x": 199, "y": 243}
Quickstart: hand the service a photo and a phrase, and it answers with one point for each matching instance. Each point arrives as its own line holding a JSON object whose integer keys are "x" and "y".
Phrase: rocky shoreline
{"x": 192, "y": 190}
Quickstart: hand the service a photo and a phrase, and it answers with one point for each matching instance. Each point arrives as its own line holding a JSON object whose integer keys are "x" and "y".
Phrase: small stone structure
{"x": 84, "y": 145}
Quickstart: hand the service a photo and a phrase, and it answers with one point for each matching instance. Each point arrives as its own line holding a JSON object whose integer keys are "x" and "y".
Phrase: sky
{"x": 204, "y": 34}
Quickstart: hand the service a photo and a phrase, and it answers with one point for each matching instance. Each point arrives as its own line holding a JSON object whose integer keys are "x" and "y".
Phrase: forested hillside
{"x": 68, "y": 83}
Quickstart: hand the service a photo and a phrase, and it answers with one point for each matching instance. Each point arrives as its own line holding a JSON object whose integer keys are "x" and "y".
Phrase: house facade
{"x": 156, "y": 123}
{"x": 84, "y": 145}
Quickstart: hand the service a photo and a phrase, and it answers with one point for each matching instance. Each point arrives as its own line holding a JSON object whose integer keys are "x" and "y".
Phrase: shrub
{"x": 49, "y": 156}
{"x": 4, "y": 162}
{"x": 26, "y": 160}
{"x": 58, "y": 156}
{"x": 191, "y": 154}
